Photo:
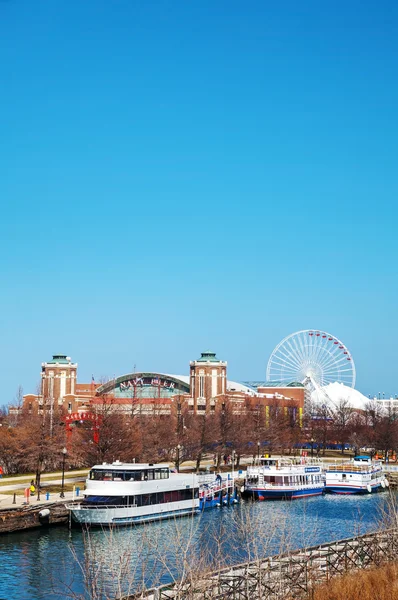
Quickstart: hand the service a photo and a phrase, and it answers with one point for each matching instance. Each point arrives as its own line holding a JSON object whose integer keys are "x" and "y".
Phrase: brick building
{"x": 156, "y": 393}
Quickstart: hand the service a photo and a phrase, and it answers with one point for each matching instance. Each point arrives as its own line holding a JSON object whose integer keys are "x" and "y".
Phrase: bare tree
{"x": 341, "y": 421}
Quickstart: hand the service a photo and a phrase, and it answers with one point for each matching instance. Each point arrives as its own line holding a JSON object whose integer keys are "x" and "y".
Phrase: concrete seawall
{"x": 28, "y": 517}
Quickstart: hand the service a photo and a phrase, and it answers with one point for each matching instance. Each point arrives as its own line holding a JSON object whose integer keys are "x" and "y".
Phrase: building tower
{"x": 58, "y": 378}
{"x": 208, "y": 377}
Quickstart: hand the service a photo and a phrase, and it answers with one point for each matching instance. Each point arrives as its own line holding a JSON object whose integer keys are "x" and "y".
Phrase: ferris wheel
{"x": 312, "y": 357}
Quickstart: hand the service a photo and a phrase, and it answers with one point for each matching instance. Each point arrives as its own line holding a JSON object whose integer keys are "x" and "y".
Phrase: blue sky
{"x": 177, "y": 176}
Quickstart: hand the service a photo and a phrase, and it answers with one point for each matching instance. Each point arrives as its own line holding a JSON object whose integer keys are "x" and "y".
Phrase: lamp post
{"x": 178, "y": 433}
{"x": 178, "y": 458}
{"x": 178, "y": 417}
{"x": 258, "y": 451}
{"x": 64, "y": 452}
{"x": 312, "y": 447}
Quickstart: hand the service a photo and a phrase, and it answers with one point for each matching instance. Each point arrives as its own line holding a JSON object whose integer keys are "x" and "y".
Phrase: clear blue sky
{"x": 177, "y": 176}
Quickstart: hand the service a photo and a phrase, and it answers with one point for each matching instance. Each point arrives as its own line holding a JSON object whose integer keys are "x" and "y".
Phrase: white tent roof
{"x": 337, "y": 392}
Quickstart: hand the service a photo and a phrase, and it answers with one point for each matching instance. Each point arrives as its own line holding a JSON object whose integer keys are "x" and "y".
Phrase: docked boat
{"x": 216, "y": 491}
{"x": 125, "y": 493}
{"x": 283, "y": 479}
{"x": 359, "y": 476}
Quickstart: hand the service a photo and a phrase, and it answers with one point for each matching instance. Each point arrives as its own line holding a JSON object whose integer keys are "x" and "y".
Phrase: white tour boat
{"x": 277, "y": 479}
{"x": 359, "y": 476}
{"x": 125, "y": 493}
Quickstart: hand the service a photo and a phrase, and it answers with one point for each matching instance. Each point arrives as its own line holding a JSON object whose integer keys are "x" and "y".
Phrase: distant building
{"x": 208, "y": 377}
{"x": 294, "y": 391}
{"x": 59, "y": 387}
{"x": 149, "y": 392}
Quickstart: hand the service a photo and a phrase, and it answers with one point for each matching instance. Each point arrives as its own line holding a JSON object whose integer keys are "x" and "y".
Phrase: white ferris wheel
{"x": 312, "y": 357}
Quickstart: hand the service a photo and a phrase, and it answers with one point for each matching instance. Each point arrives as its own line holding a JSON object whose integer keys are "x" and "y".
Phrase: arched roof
{"x": 148, "y": 378}
{"x": 181, "y": 383}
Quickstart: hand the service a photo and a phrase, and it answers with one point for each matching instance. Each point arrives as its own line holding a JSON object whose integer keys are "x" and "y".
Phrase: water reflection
{"x": 59, "y": 564}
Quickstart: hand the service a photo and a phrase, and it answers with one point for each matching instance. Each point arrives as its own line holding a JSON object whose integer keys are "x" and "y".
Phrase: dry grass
{"x": 378, "y": 583}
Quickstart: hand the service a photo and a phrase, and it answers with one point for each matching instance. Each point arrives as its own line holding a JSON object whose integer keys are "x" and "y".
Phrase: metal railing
{"x": 290, "y": 575}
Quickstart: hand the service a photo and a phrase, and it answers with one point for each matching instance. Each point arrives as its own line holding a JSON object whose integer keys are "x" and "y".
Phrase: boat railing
{"x": 313, "y": 462}
{"x": 215, "y": 487}
{"x": 288, "y": 468}
{"x": 204, "y": 478}
{"x": 350, "y": 468}
{"x": 297, "y": 486}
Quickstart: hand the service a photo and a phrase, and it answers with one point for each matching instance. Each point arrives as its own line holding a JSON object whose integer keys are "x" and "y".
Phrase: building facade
{"x": 58, "y": 377}
{"x": 149, "y": 393}
{"x": 208, "y": 379}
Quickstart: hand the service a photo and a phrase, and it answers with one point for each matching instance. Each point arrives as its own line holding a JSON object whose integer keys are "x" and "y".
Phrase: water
{"x": 49, "y": 563}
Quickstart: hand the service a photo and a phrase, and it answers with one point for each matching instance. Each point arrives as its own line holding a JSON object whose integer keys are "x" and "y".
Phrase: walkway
{"x": 7, "y": 500}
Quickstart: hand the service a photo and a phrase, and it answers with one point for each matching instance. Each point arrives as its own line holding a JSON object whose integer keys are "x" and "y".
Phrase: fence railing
{"x": 287, "y": 576}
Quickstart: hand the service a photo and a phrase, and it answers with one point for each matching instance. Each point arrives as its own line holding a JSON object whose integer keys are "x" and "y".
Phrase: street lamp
{"x": 312, "y": 447}
{"x": 178, "y": 417}
{"x": 64, "y": 453}
{"x": 258, "y": 451}
{"x": 178, "y": 458}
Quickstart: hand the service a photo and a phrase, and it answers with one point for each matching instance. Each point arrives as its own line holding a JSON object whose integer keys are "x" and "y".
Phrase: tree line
{"x": 32, "y": 441}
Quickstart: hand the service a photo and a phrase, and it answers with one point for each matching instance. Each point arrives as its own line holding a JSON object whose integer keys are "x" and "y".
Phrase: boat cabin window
{"x": 106, "y": 500}
{"x": 144, "y": 499}
{"x": 133, "y": 475}
{"x": 163, "y": 497}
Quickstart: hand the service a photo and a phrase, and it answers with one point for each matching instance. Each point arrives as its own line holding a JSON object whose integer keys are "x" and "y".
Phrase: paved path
{"x": 7, "y": 500}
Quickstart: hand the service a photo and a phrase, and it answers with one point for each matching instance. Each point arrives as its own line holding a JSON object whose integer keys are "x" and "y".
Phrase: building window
{"x": 214, "y": 383}
{"x": 63, "y": 384}
{"x": 201, "y": 384}
{"x": 51, "y": 386}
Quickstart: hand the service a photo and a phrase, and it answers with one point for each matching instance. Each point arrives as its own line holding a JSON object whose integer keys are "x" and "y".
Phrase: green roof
{"x": 275, "y": 384}
{"x": 208, "y": 357}
{"x": 59, "y": 359}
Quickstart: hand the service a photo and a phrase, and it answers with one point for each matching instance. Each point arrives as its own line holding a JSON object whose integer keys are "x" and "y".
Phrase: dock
{"x": 17, "y": 515}
{"x": 391, "y": 473}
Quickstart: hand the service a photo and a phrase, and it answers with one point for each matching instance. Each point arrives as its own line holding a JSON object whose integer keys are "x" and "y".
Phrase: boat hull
{"x": 352, "y": 489}
{"x": 214, "y": 502}
{"x": 284, "y": 494}
{"x": 100, "y": 518}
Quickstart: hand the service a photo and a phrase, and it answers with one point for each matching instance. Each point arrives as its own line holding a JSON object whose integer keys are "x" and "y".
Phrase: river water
{"x": 58, "y": 563}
